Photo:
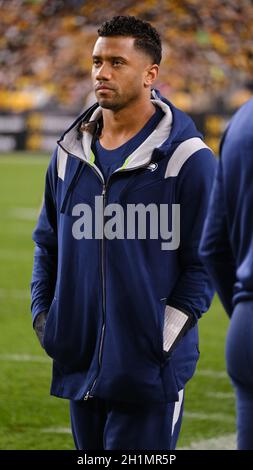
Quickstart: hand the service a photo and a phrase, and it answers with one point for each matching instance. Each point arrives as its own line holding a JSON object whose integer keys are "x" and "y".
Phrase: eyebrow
{"x": 110, "y": 57}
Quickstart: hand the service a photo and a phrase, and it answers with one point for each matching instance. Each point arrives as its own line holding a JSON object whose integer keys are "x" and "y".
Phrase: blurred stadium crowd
{"x": 45, "y": 48}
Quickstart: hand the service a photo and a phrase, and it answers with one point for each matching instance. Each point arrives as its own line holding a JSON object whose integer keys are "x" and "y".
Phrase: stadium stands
{"x": 46, "y": 45}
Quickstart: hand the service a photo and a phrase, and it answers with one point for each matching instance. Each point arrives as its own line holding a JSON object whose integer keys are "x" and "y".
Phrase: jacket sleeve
{"x": 193, "y": 291}
{"x": 45, "y": 255}
{"x": 215, "y": 248}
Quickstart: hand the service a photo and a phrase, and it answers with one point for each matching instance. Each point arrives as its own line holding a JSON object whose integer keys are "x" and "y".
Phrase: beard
{"x": 116, "y": 102}
{"x": 108, "y": 104}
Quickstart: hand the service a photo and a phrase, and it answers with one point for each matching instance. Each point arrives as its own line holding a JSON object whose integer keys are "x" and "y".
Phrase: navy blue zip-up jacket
{"x": 227, "y": 241}
{"x": 106, "y": 298}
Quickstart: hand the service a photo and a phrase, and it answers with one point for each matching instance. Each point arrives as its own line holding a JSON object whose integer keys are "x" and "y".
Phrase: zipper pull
{"x": 103, "y": 191}
{"x": 87, "y": 395}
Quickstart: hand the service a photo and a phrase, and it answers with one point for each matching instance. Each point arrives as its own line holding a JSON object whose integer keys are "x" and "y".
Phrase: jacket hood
{"x": 183, "y": 127}
{"x": 174, "y": 128}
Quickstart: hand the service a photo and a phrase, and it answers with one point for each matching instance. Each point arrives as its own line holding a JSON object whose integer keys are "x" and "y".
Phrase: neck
{"x": 119, "y": 126}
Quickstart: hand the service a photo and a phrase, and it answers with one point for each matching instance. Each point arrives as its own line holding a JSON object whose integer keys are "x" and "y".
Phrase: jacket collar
{"x": 72, "y": 144}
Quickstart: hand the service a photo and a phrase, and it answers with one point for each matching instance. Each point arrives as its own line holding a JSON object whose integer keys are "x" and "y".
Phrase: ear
{"x": 150, "y": 75}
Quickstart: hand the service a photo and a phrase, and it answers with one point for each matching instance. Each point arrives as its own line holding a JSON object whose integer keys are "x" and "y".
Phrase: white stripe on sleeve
{"x": 184, "y": 151}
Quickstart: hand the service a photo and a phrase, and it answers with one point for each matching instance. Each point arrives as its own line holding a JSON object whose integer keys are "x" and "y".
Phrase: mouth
{"x": 103, "y": 88}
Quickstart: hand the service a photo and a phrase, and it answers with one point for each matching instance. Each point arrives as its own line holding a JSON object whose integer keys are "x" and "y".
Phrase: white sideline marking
{"x": 216, "y": 374}
{"x": 218, "y": 417}
{"x": 23, "y": 358}
{"x": 56, "y": 430}
{"x": 14, "y": 293}
{"x": 222, "y": 395}
{"x": 227, "y": 442}
{"x": 24, "y": 213}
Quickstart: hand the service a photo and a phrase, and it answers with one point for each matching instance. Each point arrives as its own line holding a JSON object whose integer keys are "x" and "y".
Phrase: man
{"x": 227, "y": 251}
{"x": 108, "y": 291}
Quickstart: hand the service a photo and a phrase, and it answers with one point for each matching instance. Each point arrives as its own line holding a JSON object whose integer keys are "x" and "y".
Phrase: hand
{"x": 39, "y": 326}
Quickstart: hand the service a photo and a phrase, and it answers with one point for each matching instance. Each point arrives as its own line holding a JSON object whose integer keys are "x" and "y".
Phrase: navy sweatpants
{"x": 103, "y": 425}
{"x": 239, "y": 356}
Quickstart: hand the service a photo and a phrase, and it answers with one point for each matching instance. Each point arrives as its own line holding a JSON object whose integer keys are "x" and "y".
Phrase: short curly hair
{"x": 146, "y": 36}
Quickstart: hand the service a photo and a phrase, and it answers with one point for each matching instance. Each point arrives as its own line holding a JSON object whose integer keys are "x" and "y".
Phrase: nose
{"x": 103, "y": 72}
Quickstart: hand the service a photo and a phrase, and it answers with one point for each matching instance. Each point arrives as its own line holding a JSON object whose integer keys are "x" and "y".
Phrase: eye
{"x": 117, "y": 62}
{"x": 96, "y": 62}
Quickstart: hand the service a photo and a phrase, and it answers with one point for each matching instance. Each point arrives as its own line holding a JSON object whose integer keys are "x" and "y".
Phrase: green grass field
{"x": 29, "y": 417}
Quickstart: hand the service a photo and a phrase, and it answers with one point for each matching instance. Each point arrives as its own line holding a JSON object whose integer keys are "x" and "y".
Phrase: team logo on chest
{"x": 152, "y": 166}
